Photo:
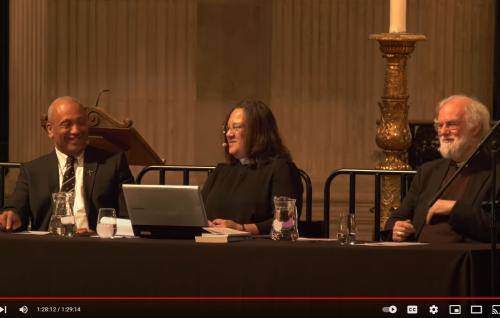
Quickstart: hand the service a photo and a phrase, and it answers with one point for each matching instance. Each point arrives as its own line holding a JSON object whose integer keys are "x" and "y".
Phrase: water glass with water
{"x": 346, "y": 230}
{"x": 106, "y": 223}
{"x": 284, "y": 227}
{"x": 342, "y": 229}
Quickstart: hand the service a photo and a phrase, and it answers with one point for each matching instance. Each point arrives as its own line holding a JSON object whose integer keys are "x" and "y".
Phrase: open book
{"x": 222, "y": 235}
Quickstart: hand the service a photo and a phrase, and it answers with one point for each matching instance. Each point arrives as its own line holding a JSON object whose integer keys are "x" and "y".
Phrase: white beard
{"x": 456, "y": 150}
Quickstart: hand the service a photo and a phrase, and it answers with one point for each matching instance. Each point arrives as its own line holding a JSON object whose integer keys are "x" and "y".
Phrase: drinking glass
{"x": 351, "y": 229}
{"x": 342, "y": 229}
{"x": 106, "y": 223}
{"x": 346, "y": 230}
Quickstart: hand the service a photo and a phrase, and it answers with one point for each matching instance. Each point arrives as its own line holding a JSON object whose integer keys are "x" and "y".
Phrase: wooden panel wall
{"x": 176, "y": 66}
{"x": 143, "y": 51}
{"x": 27, "y": 78}
{"x": 457, "y": 56}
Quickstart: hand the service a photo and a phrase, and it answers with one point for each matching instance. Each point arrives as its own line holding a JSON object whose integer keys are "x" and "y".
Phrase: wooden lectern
{"x": 111, "y": 135}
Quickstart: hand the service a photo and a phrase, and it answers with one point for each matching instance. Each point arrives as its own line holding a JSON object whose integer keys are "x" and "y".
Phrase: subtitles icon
{"x": 412, "y": 309}
{"x": 391, "y": 309}
{"x": 24, "y": 309}
{"x": 495, "y": 309}
{"x": 455, "y": 309}
{"x": 433, "y": 309}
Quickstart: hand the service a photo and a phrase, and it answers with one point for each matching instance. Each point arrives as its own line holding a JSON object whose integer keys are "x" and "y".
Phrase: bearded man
{"x": 458, "y": 215}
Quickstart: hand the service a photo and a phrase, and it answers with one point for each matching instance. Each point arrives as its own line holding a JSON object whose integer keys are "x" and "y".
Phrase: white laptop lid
{"x": 165, "y": 205}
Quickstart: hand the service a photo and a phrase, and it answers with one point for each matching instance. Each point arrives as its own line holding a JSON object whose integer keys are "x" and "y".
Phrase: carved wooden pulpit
{"x": 109, "y": 134}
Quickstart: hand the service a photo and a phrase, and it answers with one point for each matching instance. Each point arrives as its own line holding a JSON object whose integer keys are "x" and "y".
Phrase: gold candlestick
{"x": 393, "y": 132}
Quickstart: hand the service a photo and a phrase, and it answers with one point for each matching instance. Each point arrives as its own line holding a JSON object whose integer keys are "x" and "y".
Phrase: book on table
{"x": 222, "y": 235}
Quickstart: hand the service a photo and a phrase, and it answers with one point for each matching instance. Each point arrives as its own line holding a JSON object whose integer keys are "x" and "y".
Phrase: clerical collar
{"x": 244, "y": 161}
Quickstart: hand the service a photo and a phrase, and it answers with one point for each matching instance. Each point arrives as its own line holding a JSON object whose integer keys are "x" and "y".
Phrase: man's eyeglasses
{"x": 450, "y": 125}
{"x": 236, "y": 128}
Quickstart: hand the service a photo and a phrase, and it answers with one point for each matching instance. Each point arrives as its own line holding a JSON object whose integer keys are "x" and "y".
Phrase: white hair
{"x": 476, "y": 113}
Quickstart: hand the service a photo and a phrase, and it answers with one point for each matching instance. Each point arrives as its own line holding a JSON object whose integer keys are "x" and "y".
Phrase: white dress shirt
{"x": 79, "y": 204}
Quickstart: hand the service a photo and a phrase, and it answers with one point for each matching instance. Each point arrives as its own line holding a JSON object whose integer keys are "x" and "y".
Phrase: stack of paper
{"x": 222, "y": 235}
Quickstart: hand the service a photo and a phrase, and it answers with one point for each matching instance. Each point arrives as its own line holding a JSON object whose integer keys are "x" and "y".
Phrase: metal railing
{"x": 353, "y": 173}
{"x": 187, "y": 170}
{"x": 162, "y": 171}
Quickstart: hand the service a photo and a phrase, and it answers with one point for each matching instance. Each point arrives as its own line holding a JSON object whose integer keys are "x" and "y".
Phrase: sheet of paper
{"x": 124, "y": 228}
{"x": 225, "y": 230}
{"x": 33, "y": 232}
{"x": 313, "y": 239}
{"x": 393, "y": 244}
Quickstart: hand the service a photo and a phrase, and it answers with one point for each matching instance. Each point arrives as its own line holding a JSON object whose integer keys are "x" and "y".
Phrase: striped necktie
{"x": 68, "y": 184}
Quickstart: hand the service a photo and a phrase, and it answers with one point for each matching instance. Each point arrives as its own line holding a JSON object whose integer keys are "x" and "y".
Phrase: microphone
{"x": 224, "y": 144}
{"x": 99, "y": 96}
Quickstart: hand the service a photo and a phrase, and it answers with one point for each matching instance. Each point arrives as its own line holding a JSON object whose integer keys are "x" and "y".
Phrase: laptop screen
{"x": 165, "y": 205}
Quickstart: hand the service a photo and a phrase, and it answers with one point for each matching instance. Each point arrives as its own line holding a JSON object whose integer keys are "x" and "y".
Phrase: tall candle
{"x": 397, "y": 16}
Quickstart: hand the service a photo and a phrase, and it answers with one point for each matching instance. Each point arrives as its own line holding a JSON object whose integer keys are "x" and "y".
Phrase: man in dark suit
{"x": 458, "y": 214}
{"x": 94, "y": 175}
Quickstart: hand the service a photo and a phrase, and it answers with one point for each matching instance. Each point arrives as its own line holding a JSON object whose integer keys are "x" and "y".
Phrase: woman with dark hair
{"x": 239, "y": 193}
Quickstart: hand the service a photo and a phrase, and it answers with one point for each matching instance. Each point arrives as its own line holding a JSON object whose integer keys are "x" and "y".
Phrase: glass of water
{"x": 346, "y": 230}
{"x": 284, "y": 226}
{"x": 106, "y": 223}
{"x": 342, "y": 229}
{"x": 62, "y": 220}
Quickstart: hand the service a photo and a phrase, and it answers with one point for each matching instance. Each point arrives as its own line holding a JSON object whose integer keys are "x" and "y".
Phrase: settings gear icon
{"x": 433, "y": 309}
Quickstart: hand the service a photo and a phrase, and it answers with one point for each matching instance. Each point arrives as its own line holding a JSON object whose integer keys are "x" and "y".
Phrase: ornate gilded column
{"x": 393, "y": 132}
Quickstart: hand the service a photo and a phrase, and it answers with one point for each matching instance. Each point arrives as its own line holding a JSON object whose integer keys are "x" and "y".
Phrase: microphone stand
{"x": 99, "y": 96}
{"x": 489, "y": 141}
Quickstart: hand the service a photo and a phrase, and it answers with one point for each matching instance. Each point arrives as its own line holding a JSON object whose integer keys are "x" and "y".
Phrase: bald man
{"x": 98, "y": 175}
{"x": 457, "y": 216}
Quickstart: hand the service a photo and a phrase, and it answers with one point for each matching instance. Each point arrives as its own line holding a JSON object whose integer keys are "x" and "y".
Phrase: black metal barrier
{"x": 377, "y": 174}
{"x": 312, "y": 228}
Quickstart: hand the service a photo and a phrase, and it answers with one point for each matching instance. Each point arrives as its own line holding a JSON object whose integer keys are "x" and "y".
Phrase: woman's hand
{"x": 226, "y": 223}
{"x": 248, "y": 227}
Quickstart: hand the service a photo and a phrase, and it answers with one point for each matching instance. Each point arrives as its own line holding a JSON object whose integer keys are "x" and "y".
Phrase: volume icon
{"x": 24, "y": 309}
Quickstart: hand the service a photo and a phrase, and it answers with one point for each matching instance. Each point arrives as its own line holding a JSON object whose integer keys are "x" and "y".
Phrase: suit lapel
{"x": 437, "y": 178}
{"x": 89, "y": 173}
{"x": 53, "y": 173}
{"x": 41, "y": 218}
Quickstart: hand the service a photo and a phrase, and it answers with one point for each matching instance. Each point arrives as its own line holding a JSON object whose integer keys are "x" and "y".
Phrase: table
{"x": 86, "y": 266}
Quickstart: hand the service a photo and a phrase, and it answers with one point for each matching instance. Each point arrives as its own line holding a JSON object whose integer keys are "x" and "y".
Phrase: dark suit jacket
{"x": 467, "y": 217}
{"x": 103, "y": 175}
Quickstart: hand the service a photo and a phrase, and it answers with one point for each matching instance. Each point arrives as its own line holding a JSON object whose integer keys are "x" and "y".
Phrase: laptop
{"x": 165, "y": 211}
